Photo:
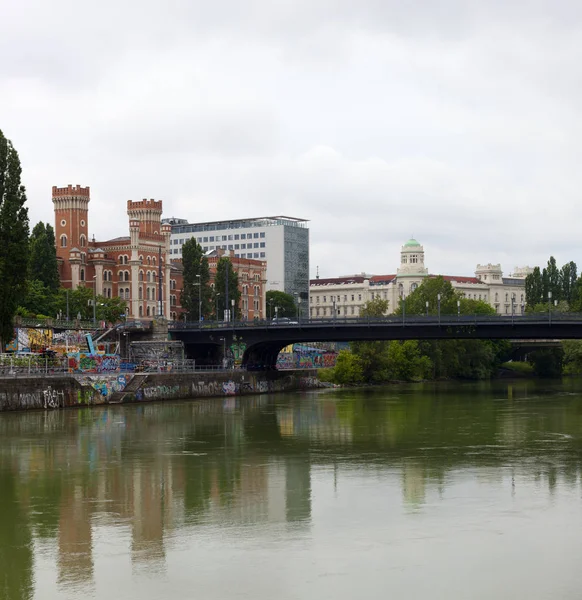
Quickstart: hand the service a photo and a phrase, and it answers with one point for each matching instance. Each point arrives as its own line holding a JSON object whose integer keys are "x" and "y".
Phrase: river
{"x": 441, "y": 491}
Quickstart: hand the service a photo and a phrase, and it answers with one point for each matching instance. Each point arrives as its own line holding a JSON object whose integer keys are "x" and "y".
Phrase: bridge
{"x": 261, "y": 341}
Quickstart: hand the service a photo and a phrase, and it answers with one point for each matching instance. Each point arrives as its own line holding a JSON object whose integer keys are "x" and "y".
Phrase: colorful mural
{"x": 81, "y": 362}
{"x": 305, "y": 357}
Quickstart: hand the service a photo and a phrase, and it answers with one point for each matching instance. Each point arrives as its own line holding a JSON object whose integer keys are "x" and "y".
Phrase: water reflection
{"x": 154, "y": 473}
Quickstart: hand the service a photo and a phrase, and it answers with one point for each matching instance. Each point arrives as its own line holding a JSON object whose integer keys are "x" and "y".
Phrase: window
{"x": 127, "y": 276}
{"x": 352, "y": 297}
{"x": 229, "y": 237}
{"x": 262, "y": 234}
{"x": 63, "y": 241}
{"x": 205, "y": 239}
{"x": 147, "y": 293}
{"x": 262, "y": 245}
{"x": 211, "y": 238}
{"x": 262, "y": 255}
{"x": 256, "y": 245}
{"x": 352, "y": 310}
{"x": 243, "y": 237}
{"x": 404, "y": 259}
{"x": 359, "y": 296}
{"x": 243, "y": 246}
{"x": 256, "y": 235}
{"x": 325, "y": 298}
{"x": 141, "y": 311}
{"x": 237, "y": 246}
{"x": 149, "y": 260}
{"x": 83, "y": 241}
{"x": 148, "y": 311}
{"x": 148, "y": 277}
{"x": 236, "y": 236}
{"x": 140, "y": 293}
{"x": 506, "y": 297}
{"x": 82, "y": 276}
{"x": 256, "y": 255}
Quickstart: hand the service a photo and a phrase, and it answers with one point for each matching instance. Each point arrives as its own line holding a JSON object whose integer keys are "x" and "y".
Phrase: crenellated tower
{"x": 148, "y": 213}
{"x": 71, "y": 206}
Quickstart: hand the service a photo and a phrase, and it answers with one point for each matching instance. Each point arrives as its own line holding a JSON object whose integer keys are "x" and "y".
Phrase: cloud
{"x": 455, "y": 122}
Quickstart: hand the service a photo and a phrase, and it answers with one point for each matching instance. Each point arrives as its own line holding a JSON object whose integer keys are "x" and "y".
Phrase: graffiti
{"x": 309, "y": 382}
{"x": 263, "y": 387}
{"x": 53, "y": 398}
{"x": 206, "y": 388}
{"x": 306, "y": 358}
{"x": 105, "y": 385}
{"x": 237, "y": 350}
{"x": 229, "y": 387}
{"x": 84, "y": 397}
{"x": 82, "y": 362}
{"x": 246, "y": 386}
{"x": 286, "y": 360}
{"x": 161, "y": 391}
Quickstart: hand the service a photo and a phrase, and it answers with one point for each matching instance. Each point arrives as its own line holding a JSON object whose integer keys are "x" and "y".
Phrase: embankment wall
{"x": 89, "y": 390}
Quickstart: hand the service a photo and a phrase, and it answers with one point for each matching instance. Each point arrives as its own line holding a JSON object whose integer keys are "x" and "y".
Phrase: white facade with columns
{"x": 346, "y": 295}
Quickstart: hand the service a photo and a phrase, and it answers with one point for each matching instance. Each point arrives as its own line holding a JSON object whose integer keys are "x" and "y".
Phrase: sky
{"x": 456, "y": 122}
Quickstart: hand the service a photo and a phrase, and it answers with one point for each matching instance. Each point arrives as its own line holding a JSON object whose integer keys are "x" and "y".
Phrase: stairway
{"x": 130, "y": 388}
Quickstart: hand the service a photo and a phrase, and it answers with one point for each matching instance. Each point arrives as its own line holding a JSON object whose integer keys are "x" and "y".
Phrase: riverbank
{"x": 90, "y": 390}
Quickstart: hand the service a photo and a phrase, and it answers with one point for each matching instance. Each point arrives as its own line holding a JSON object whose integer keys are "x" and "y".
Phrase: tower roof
{"x": 411, "y": 242}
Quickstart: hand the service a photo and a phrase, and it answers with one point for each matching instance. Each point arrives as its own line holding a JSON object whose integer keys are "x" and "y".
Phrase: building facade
{"x": 281, "y": 241}
{"x": 347, "y": 295}
{"x": 133, "y": 266}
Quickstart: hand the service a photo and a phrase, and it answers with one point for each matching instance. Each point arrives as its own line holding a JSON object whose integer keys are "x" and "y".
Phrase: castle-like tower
{"x": 71, "y": 205}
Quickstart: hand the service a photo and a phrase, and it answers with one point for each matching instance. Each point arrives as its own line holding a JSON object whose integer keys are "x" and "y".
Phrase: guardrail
{"x": 387, "y": 320}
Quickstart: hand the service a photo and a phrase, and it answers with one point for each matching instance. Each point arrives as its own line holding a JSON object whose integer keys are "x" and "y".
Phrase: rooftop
{"x": 180, "y": 227}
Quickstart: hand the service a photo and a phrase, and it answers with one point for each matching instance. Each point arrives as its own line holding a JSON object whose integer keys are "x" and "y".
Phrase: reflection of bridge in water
{"x": 261, "y": 342}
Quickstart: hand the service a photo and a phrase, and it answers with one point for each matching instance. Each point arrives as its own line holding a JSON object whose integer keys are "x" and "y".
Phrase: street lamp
{"x": 94, "y": 299}
{"x": 550, "y": 307}
{"x": 217, "y": 295}
{"x": 276, "y": 312}
{"x": 232, "y": 306}
{"x": 427, "y": 308}
{"x": 298, "y": 308}
{"x": 403, "y": 308}
{"x": 458, "y": 309}
{"x": 271, "y": 305}
{"x": 439, "y": 307}
{"x": 199, "y": 300}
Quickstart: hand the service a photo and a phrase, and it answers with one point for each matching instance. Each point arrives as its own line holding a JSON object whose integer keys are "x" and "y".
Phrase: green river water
{"x": 444, "y": 491}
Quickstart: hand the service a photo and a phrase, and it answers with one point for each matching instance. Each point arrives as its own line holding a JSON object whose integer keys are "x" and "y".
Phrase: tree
{"x": 226, "y": 273}
{"x": 43, "y": 256}
{"x": 533, "y": 288}
{"x": 196, "y": 281}
{"x": 428, "y": 291}
{"x": 553, "y": 281}
{"x": 348, "y": 369}
{"x": 285, "y": 303}
{"x": 80, "y": 303}
{"x": 39, "y": 300}
{"x": 14, "y": 248}
{"x": 547, "y": 362}
{"x": 111, "y": 310}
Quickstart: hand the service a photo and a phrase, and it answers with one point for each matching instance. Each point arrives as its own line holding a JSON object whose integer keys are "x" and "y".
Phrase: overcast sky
{"x": 454, "y": 121}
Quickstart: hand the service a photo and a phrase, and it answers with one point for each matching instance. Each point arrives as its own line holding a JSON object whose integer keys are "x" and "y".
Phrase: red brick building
{"x": 131, "y": 266}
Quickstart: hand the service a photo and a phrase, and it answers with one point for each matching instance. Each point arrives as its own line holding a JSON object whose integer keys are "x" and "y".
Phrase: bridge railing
{"x": 442, "y": 320}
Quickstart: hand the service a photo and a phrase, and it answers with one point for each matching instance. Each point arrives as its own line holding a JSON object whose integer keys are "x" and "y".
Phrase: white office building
{"x": 282, "y": 241}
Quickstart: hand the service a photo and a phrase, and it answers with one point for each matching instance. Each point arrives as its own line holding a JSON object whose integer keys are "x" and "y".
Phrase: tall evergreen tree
{"x": 43, "y": 256}
{"x": 14, "y": 249}
{"x": 225, "y": 272}
{"x": 554, "y": 283}
{"x": 533, "y": 288}
{"x": 196, "y": 271}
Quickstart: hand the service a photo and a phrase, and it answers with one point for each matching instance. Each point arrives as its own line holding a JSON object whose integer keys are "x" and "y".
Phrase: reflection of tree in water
{"x": 15, "y": 542}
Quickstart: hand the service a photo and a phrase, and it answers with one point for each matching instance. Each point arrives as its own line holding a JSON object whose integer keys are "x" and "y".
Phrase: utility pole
{"x": 160, "y": 285}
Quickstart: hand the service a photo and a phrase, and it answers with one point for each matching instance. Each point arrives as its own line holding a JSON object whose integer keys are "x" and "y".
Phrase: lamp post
{"x": 271, "y": 306}
{"x": 232, "y": 306}
{"x": 67, "y": 295}
{"x": 439, "y": 307}
{"x": 217, "y": 296}
{"x": 333, "y": 308}
{"x": 276, "y": 312}
{"x": 403, "y": 309}
{"x": 550, "y": 307}
{"x": 199, "y": 300}
{"x": 427, "y": 308}
{"x": 512, "y": 307}
{"x": 458, "y": 309}
{"x": 299, "y": 309}
{"x": 94, "y": 299}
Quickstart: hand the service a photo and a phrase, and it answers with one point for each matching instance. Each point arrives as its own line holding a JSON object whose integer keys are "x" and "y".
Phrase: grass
{"x": 518, "y": 367}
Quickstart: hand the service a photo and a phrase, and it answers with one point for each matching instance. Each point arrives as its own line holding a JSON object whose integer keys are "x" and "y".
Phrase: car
{"x": 284, "y": 321}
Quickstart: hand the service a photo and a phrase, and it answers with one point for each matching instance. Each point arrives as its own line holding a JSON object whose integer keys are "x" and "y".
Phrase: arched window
{"x": 149, "y": 276}
{"x": 83, "y": 241}
{"x": 127, "y": 276}
{"x": 82, "y": 275}
{"x": 109, "y": 292}
{"x": 148, "y": 311}
{"x": 496, "y": 297}
{"x": 147, "y": 293}
{"x": 154, "y": 260}
{"x": 400, "y": 290}
{"x": 120, "y": 275}
{"x": 141, "y": 275}
{"x": 506, "y": 297}
{"x": 140, "y": 293}
{"x": 141, "y": 311}
{"x": 149, "y": 260}
{"x": 63, "y": 241}
{"x": 104, "y": 275}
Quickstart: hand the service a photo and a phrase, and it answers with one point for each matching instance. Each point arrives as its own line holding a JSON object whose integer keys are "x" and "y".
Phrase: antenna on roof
{"x": 317, "y": 273}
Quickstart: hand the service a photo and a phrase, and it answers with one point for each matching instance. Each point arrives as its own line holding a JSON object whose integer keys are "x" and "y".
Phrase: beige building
{"x": 346, "y": 295}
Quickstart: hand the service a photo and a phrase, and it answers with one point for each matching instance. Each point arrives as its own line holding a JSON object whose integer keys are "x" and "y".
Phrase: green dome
{"x": 411, "y": 242}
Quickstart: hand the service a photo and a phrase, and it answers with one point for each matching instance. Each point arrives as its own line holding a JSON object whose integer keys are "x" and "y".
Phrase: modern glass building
{"x": 282, "y": 241}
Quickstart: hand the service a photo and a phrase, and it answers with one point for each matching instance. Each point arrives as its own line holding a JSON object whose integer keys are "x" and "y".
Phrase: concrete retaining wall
{"x": 87, "y": 390}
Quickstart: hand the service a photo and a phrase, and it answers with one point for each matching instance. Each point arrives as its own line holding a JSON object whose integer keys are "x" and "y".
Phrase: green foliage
{"x": 39, "y": 300}
{"x": 196, "y": 271}
{"x": 348, "y": 369}
{"x": 518, "y": 366}
{"x": 533, "y": 288}
{"x": 110, "y": 310}
{"x": 572, "y": 357}
{"x": 374, "y": 308}
{"x": 285, "y": 302}
{"x": 562, "y": 283}
{"x": 14, "y": 247}
{"x": 225, "y": 272}
{"x": 547, "y": 362}
{"x": 43, "y": 256}
{"x": 80, "y": 303}
{"x": 429, "y": 291}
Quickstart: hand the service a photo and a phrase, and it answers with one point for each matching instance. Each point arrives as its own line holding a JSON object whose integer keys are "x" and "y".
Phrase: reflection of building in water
{"x": 275, "y": 491}
{"x": 75, "y": 539}
{"x": 319, "y": 422}
{"x": 413, "y": 483}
